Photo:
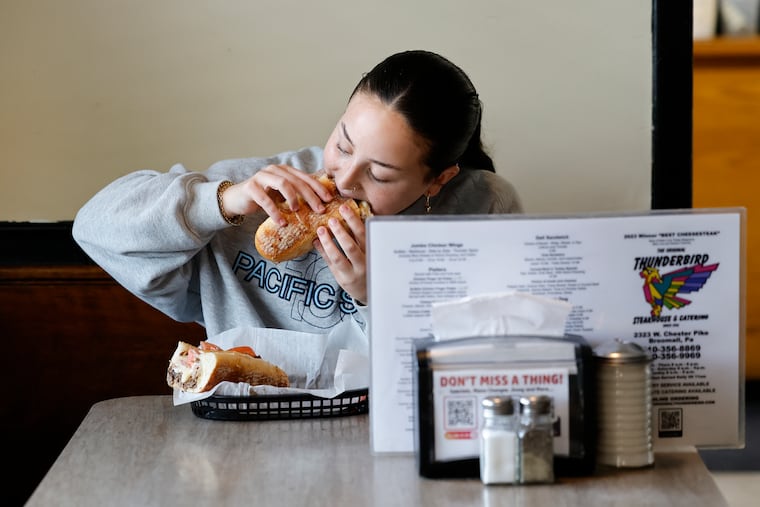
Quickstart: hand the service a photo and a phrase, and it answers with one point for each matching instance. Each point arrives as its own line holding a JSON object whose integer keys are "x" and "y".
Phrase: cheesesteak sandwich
{"x": 283, "y": 243}
{"x": 199, "y": 369}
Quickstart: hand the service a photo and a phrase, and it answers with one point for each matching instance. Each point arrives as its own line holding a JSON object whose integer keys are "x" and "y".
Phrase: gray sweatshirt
{"x": 162, "y": 236}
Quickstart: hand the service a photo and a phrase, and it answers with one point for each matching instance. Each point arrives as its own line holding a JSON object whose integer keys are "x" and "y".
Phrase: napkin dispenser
{"x": 452, "y": 377}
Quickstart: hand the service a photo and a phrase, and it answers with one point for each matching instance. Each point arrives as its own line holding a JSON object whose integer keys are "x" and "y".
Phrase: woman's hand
{"x": 275, "y": 183}
{"x": 347, "y": 260}
{"x": 271, "y": 185}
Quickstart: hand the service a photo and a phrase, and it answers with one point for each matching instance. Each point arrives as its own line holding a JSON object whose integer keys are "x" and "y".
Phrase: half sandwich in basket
{"x": 198, "y": 369}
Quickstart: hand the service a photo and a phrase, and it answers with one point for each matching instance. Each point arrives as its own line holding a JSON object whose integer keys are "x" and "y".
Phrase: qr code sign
{"x": 460, "y": 413}
{"x": 670, "y": 422}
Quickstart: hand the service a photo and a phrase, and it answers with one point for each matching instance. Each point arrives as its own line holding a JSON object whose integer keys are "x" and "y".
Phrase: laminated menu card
{"x": 670, "y": 281}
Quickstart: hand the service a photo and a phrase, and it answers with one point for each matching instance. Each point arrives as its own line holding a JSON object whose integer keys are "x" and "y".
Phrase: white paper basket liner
{"x": 323, "y": 365}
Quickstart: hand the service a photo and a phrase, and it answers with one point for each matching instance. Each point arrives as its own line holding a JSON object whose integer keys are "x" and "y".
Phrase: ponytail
{"x": 475, "y": 156}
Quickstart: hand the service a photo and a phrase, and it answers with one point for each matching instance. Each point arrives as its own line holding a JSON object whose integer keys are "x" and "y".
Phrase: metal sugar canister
{"x": 624, "y": 404}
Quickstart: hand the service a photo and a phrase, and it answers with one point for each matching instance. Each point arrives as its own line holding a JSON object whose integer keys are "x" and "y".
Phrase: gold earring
{"x": 427, "y": 204}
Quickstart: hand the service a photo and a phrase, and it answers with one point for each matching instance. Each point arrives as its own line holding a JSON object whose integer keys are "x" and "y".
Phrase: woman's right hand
{"x": 270, "y": 186}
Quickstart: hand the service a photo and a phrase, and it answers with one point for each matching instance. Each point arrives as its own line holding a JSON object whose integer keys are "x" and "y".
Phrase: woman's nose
{"x": 348, "y": 178}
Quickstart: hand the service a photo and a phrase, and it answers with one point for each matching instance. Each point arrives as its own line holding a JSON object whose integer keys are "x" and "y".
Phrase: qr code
{"x": 460, "y": 413}
{"x": 670, "y": 422}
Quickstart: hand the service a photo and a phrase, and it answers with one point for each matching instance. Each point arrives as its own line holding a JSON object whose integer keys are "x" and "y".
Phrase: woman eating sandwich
{"x": 408, "y": 142}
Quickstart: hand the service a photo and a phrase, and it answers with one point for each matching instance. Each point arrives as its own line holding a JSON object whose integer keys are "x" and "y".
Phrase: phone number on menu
{"x": 675, "y": 351}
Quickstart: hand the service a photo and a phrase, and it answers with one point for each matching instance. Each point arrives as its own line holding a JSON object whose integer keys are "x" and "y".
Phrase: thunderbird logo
{"x": 666, "y": 290}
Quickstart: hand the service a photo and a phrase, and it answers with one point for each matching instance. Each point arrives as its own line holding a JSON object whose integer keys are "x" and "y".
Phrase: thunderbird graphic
{"x": 665, "y": 290}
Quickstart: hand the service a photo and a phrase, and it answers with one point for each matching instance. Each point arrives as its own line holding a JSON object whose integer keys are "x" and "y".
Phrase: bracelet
{"x": 232, "y": 220}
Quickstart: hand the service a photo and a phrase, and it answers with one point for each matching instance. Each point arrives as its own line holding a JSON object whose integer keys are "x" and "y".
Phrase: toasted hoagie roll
{"x": 282, "y": 243}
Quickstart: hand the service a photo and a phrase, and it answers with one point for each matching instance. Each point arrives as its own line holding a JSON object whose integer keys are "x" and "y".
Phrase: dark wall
{"x": 72, "y": 337}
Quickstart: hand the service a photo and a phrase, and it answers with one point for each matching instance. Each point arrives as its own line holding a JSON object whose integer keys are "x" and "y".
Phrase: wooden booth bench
{"x": 71, "y": 337}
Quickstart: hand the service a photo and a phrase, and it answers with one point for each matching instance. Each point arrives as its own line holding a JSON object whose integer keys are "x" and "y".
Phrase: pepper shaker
{"x": 624, "y": 405}
{"x": 535, "y": 434}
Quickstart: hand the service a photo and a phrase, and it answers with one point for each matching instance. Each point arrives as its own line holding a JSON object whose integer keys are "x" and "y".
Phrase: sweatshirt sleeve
{"x": 146, "y": 227}
{"x": 152, "y": 230}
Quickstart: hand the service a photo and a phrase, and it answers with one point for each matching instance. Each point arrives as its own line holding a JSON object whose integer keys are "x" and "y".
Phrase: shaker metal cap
{"x": 498, "y": 405}
{"x": 538, "y": 404}
{"x": 619, "y": 351}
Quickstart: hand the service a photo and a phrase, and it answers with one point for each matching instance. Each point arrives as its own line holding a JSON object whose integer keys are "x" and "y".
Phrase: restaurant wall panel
{"x": 726, "y": 158}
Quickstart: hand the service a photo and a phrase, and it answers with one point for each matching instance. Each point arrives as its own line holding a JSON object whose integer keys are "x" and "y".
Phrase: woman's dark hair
{"x": 440, "y": 103}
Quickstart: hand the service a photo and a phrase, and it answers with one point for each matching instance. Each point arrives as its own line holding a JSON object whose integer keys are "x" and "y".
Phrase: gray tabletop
{"x": 143, "y": 451}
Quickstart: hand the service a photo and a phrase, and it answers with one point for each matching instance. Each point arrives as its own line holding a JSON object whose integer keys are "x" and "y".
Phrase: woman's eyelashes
{"x": 341, "y": 150}
{"x": 369, "y": 172}
{"x": 374, "y": 178}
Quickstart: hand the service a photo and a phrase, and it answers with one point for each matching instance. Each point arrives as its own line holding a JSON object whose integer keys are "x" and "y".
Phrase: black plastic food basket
{"x": 276, "y": 406}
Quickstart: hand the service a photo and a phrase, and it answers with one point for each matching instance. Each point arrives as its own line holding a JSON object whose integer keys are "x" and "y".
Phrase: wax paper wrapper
{"x": 500, "y": 313}
{"x": 322, "y": 365}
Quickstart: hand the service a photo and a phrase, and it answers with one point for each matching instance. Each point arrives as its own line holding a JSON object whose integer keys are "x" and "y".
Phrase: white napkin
{"x": 502, "y": 313}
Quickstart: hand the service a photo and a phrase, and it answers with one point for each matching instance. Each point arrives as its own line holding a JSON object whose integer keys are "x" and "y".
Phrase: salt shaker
{"x": 535, "y": 437}
{"x": 624, "y": 405}
{"x": 498, "y": 441}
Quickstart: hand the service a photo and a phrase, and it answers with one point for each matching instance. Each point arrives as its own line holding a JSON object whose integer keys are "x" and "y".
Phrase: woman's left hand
{"x": 347, "y": 260}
